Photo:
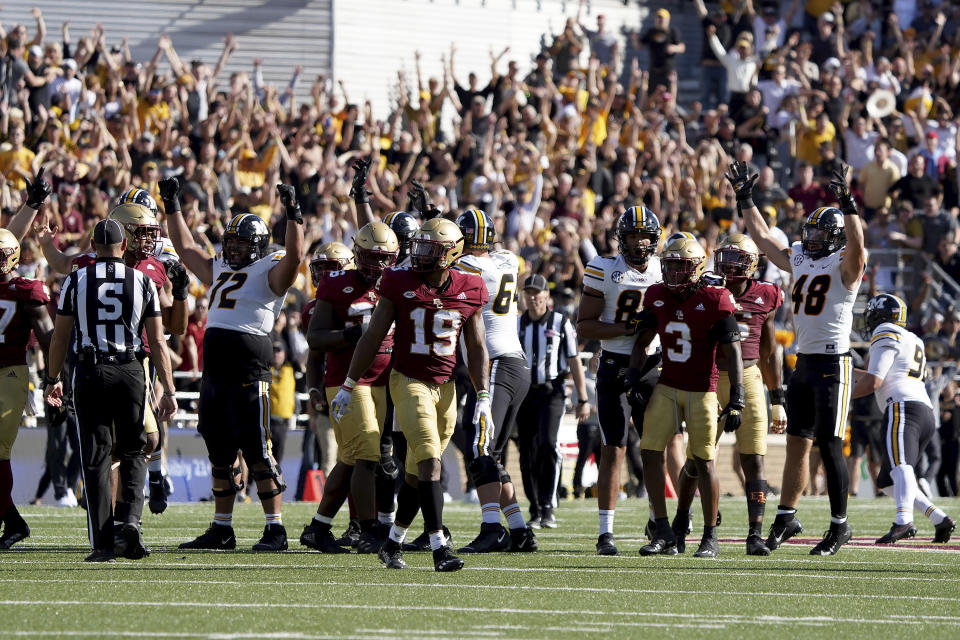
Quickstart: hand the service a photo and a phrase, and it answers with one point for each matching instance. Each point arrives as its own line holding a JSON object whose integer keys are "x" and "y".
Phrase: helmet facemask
{"x": 372, "y": 262}
{"x": 733, "y": 264}
{"x": 815, "y": 242}
{"x": 142, "y": 239}
{"x": 427, "y": 255}
{"x": 239, "y": 252}
{"x": 634, "y": 250}
{"x": 679, "y": 273}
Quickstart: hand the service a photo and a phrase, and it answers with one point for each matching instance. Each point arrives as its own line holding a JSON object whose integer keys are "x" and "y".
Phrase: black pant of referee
{"x": 104, "y": 310}
{"x": 550, "y": 343}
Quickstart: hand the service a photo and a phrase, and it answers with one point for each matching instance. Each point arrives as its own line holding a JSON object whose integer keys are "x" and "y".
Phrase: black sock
{"x": 710, "y": 532}
{"x": 785, "y": 517}
{"x": 431, "y": 504}
{"x": 385, "y": 487}
{"x": 756, "y": 499}
{"x": 838, "y": 479}
{"x": 408, "y": 504}
{"x": 367, "y": 525}
{"x": 755, "y": 528}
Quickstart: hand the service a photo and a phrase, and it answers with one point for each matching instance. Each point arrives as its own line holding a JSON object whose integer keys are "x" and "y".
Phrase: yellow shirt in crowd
{"x": 282, "y": 392}
{"x": 16, "y": 158}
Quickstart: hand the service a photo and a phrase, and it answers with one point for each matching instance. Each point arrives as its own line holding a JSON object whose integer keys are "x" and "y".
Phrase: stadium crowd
{"x": 553, "y": 150}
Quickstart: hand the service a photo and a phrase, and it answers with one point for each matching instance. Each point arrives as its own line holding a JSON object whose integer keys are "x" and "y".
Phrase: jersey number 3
{"x": 443, "y": 333}
{"x": 226, "y": 302}
{"x": 812, "y": 301}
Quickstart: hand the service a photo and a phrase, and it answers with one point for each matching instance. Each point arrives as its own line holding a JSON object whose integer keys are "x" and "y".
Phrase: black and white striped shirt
{"x": 109, "y": 302}
{"x": 548, "y": 343}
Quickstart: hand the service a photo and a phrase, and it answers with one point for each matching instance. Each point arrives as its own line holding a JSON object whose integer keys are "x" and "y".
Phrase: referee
{"x": 110, "y": 306}
{"x": 550, "y": 342}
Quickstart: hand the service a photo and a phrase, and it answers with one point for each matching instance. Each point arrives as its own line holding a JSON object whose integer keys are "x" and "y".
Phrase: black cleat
{"x": 897, "y": 532}
{"x": 681, "y": 527}
{"x": 547, "y": 519}
{"x": 371, "y": 541}
{"x": 216, "y": 537}
{"x": 391, "y": 555}
{"x": 523, "y": 541}
{"x": 755, "y": 546}
{"x": 781, "y": 531}
{"x": 158, "y": 493}
{"x": 493, "y": 537}
{"x": 835, "y": 537}
{"x": 351, "y": 536}
{"x": 133, "y": 547}
{"x": 101, "y": 555}
{"x": 709, "y": 548}
{"x": 444, "y": 561}
{"x": 943, "y": 530}
{"x": 422, "y": 541}
{"x": 663, "y": 543}
{"x": 274, "y": 539}
{"x": 16, "y": 529}
{"x": 320, "y": 539}
{"x": 605, "y": 545}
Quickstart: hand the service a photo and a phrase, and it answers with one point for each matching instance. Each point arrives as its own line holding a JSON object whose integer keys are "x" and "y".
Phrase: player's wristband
{"x": 848, "y": 207}
{"x": 483, "y": 395}
{"x": 745, "y": 203}
{"x": 47, "y": 380}
{"x": 582, "y": 402}
{"x": 348, "y": 384}
{"x": 777, "y": 396}
{"x": 171, "y": 206}
{"x": 294, "y": 214}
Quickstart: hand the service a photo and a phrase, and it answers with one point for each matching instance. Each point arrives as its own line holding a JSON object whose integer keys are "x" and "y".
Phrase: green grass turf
{"x": 564, "y": 591}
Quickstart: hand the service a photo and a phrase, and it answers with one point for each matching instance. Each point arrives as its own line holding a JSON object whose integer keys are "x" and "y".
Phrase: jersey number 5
{"x": 816, "y": 295}
{"x": 446, "y": 322}
{"x": 226, "y": 302}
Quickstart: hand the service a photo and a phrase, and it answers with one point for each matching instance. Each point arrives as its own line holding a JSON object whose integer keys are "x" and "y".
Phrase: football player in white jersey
{"x": 509, "y": 382}
{"x": 613, "y": 290}
{"x": 895, "y": 370}
{"x": 246, "y": 296}
{"x": 827, "y": 268}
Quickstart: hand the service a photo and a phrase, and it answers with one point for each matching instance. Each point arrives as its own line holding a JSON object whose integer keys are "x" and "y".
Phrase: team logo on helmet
{"x": 9, "y": 252}
{"x": 375, "y": 248}
{"x": 883, "y": 308}
{"x": 478, "y": 231}
{"x": 436, "y": 246}
{"x": 245, "y": 240}
{"x": 823, "y": 233}
{"x": 331, "y": 256}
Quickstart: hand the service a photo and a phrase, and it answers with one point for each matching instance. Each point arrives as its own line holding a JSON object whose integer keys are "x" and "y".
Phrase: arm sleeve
{"x": 570, "y": 346}
{"x": 725, "y": 330}
{"x": 881, "y": 359}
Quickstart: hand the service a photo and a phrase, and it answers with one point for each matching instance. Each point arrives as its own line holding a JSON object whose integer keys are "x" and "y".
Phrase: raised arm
{"x": 855, "y": 256}
{"x": 37, "y": 191}
{"x": 191, "y": 253}
{"x": 283, "y": 275}
{"x": 743, "y": 183}
{"x": 58, "y": 261}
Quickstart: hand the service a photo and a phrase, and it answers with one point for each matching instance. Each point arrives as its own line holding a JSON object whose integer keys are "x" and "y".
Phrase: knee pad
{"x": 233, "y": 476}
{"x": 504, "y": 476}
{"x": 272, "y": 472}
{"x": 484, "y": 470}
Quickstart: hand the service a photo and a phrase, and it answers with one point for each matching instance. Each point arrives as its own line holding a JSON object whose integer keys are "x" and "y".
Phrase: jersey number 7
{"x": 226, "y": 302}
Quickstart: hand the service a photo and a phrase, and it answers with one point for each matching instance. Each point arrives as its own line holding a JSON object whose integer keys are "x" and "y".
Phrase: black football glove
{"x": 743, "y": 183}
{"x": 177, "y": 275}
{"x": 418, "y": 196}
{"x": 38, "y": 190}
{"x": 358, "y": 188}
{"x": 288, "y": 196}
{"x": 732, "y": 414}
{"x": 170, "y": 193}
{"x": 636, "y": 395}
{"x": 388, "y": 466}
{"x": 841, "y": 189}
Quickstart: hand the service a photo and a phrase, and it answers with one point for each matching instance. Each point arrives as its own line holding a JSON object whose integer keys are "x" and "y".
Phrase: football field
{"x": 563, "y": 591}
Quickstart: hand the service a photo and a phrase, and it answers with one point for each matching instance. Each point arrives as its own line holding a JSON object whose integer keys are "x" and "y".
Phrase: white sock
{"x": 514, "y": 517}
{"x": 606, "y": 521}
{"x": 154, "y": 465}
{"x": 904, "y": 492}
{"x": 838, "y": 519}
{"x": 933, "y": 513}
{"x": 786, "y": 512}
{"x": 398, "y": 533}
{"x": 386, "y": 518}
{"x": 490, "y": 511}
{"x": 437, "y": 540}
{"x": 273, "y": 518}
{"x": 322, "y": 519}
{"x": 223, "y": 519}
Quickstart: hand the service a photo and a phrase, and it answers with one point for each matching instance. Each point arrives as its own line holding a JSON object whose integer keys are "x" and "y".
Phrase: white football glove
{"x": 341, "y": 402}
{"x": 482, "y": 415}
{"x": 778, "y": 418}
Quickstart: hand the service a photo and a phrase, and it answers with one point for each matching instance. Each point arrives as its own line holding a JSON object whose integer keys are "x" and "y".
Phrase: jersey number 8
{"x": 816, "y": 295}
{"x": 628, "y": 304}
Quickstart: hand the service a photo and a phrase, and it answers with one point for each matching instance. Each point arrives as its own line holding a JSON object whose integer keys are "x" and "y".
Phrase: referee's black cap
{"x": 108, "y": 232}
{"x": 536, "y": 281}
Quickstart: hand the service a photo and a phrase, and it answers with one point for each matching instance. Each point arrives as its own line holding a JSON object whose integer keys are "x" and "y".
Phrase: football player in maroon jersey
{"x": 22, "y": 309}
{"x": 430, "y": 304}
{"x": 736, "y": 260}
{"x": 691, "y": 317}
{"x": 344, "y": 304}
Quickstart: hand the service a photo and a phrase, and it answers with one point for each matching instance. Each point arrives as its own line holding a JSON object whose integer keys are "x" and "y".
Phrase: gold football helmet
{"x": 141, "y": 228}
{"x": 684, "y": 262}
{"x": 436, "y": 246}
{"x": 737, "y": 257}
{"x": 9, "y": 252}
{"x": 375, "y": 247}
{"x": 331, "y": 256}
